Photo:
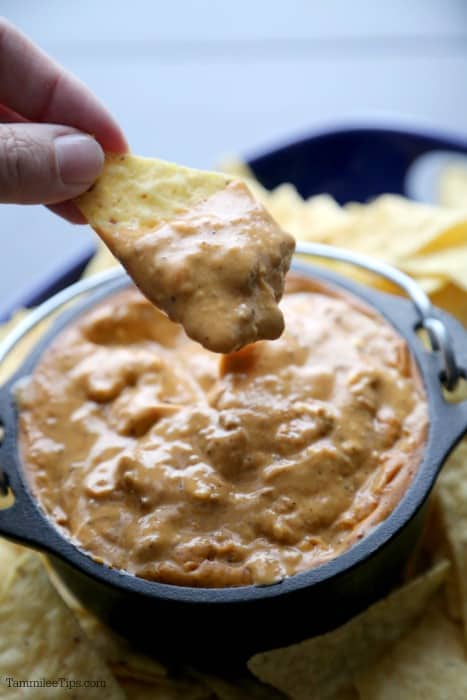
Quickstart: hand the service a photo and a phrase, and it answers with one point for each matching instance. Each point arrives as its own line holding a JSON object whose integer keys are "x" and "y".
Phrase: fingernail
{"x": 79, "y": 159}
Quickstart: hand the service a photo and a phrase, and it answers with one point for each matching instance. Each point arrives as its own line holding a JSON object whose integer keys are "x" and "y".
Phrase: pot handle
{"x": 457, "y": 411}
{"x": 19, "y": 521}
{"x": 20, "y": 518}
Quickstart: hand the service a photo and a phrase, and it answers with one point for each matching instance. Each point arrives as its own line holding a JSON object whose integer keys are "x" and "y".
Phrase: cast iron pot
{"x": 226, "y": 625}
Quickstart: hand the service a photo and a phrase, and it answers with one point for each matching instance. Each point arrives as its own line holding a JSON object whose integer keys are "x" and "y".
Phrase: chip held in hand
{"x": 197, "y": 244}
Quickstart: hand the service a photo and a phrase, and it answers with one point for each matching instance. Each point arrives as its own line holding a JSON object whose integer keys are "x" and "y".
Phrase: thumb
{"x": 45, "y": 163}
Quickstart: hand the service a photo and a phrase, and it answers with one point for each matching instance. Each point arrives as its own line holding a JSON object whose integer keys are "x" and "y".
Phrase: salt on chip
{"x": 428, "y": 664}
{"x": 40, "y": 639}
{"x": 325, "y": 665}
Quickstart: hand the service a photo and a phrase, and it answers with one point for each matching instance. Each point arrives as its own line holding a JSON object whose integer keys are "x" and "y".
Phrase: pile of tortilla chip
{"x": 412, "y": 644}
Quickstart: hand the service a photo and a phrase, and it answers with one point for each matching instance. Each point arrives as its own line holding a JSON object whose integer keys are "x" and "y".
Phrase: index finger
{"x": 48, "y": 93}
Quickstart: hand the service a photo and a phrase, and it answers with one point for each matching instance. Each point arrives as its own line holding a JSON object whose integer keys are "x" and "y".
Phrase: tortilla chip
{"x": 428, "y": 664}
{"x": 454, "y": 300}
{"x": 123, "y": 660}
{"x": 396, "y": 227}
{"x": 137, "y": 194}
{"x": 431, "y": 285}
{"x": 433, "y": 547}
{"x": 452, "y": 489}
{"x": 450, "y": 263}
{"x": 9, "y": 554}
{"x": 40, "y": 639}
{"x": 325, "y": 665}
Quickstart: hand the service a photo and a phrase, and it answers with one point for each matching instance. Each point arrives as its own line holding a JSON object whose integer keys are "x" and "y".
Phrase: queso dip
{"x": 178, "y": 465}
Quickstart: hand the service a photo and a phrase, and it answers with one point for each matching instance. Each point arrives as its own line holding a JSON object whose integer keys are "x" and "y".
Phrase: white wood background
{"x": 193, "y": 80}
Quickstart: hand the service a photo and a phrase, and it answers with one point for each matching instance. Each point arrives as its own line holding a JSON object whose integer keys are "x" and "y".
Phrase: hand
{"x": 52, "y": 129}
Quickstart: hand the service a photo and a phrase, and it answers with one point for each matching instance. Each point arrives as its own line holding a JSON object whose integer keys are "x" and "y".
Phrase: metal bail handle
{"x": 438, "y": 334}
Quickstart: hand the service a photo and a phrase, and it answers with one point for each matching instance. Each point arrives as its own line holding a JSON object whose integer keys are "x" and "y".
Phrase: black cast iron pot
{"x": 222, "y": 626}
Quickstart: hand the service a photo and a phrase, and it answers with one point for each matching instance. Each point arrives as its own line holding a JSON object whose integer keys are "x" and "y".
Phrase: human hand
{"x": 52, "y": 129}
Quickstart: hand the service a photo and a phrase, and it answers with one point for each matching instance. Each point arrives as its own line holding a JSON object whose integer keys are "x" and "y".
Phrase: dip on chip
{"x": 159, "y": 458}
{"x": 197, "y": 244}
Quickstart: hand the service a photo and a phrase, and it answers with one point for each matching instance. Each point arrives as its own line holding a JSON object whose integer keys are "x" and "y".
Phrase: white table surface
{"x": 194, "y": 80}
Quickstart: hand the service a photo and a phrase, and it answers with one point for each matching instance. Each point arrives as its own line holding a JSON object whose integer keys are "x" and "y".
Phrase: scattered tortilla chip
{"x": 431, "y": 285}
{"x": 141, "y": 193}
{"x": 454, "y": 300}
{"x": 122, "y": 659}
{"x": 433, "y": 547}
{"x": 450, "y": 262}
{"x": 41, "y": 640}
{"x": 428, "y": 664}
{"x": 396, "y": 227}
{"x": 452, "y": 489}
{"x": 325, "y": 665}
